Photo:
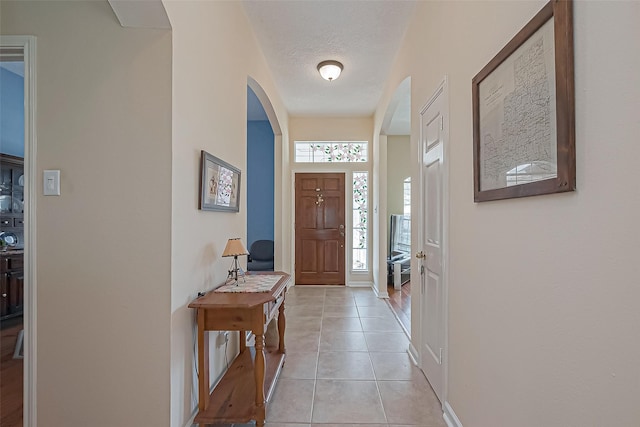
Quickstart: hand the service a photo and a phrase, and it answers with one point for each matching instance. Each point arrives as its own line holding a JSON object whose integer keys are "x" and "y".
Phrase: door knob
{"x": 421, "y": 255}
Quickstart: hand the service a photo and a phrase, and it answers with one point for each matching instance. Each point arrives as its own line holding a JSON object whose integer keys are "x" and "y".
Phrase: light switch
{"x": 51, "y": 182}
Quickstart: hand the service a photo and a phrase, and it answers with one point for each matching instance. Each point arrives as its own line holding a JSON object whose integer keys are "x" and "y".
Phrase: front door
{"x": 431, "y": 257}
{"x": 320, "y": 229}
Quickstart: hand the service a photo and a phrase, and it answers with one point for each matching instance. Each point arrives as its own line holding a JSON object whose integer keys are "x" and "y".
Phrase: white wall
{"x": 543, "y": 290}
{"x": 103, "y": 247}
{"x": 214, "y": 53}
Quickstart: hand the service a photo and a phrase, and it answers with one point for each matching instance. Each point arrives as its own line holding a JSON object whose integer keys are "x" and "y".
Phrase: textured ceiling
{"x": 296, "y": 35}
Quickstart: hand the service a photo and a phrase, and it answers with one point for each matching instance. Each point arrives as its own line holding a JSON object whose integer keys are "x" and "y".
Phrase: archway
{"x": 264, "y": 195}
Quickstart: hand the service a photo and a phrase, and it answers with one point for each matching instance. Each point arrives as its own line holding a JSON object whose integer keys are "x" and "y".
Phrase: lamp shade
{"x": 234, "y": 248}
{"x": 330, "y": 70}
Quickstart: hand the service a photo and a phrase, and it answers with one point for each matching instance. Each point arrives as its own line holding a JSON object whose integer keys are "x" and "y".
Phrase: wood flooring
{"x": 400, "y": 302}
{"x": 11, "y": 384}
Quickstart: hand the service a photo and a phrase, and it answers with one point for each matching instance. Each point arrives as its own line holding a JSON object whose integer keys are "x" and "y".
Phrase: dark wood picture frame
{"x": 560, "y": 12}
{"x": 219, "y": 184}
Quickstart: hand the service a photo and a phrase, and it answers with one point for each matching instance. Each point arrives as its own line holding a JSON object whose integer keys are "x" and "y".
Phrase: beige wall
{"x": 103, "y": 246}
{"x": 330, "y": 129}
{"x": 398, "y": 161}
{"x": 214, "y": 53}
{"x": 543, "y": 291}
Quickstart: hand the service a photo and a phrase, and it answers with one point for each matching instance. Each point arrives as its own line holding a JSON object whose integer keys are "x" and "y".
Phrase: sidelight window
{"x": 360, "y": 221}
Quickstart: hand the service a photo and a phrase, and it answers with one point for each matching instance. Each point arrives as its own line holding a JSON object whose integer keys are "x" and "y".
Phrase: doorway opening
{"x": 17, "y": 296}
{"x": 265, "y": 214}
{"x": 397, "y": 132}
{"x": 260, "y": 186}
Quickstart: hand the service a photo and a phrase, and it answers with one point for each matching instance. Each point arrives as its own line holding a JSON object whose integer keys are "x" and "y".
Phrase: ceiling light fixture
{"x": 330, "y": 70}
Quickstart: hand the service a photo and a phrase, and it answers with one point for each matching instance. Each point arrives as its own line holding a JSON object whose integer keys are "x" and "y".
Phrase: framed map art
{"x": 523, "y": 112}
{"x": 219, "y": 184}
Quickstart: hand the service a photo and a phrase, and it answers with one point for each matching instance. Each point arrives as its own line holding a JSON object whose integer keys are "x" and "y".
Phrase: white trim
{"x": 30, "y": 234}
{"x": 28, "y": 43}
{"x": 378, "y": 292}
{"x": 379, "y": 219}
{"x": 141, "y": 14}
{"x": 359, "y": 284}
{"x": 446, "y": 214}
{"x": 413, "y": 353}
{"x": 191, "y": 421}
{"x": 449, "y": 416}
{"x": 442, "y": 90}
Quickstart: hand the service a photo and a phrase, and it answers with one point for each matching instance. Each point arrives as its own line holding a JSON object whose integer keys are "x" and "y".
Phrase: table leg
{"x": 242, "y": 336}
{"x": 282, "y": 324}
{"x": 203, "y": 363}
{"x": 259, "y": 373}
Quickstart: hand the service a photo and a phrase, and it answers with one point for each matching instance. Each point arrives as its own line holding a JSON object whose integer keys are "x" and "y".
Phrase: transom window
{"x": 330, "y": 151}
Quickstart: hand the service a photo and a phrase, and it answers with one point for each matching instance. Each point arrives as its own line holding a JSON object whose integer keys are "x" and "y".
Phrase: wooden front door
{"x": 320, "y": 229}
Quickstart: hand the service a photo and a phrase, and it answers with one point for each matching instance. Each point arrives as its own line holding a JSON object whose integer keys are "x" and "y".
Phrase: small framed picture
{"x": 219, "y": 185}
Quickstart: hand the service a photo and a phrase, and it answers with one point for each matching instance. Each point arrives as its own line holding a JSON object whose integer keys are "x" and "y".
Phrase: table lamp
{"x": 235, "y": 248}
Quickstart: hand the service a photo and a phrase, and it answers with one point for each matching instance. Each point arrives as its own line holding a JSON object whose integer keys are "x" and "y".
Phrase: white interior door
{"x": 432, "y": 348}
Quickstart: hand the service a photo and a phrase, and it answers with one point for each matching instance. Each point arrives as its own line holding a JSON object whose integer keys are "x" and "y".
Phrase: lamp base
{"x": 235, "y": 272}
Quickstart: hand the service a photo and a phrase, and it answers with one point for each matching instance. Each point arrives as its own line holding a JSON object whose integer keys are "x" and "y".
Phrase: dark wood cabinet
{"x": 11, "y": 188}
{"x": 12, "y": 223}
{"x": 11, "y": 285}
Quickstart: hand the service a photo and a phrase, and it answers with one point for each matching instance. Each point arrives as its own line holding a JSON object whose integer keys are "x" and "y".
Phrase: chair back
{"x": 262, "y": 250}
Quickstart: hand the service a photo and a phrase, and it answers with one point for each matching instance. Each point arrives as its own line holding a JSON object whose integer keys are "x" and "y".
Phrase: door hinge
{"x": 441, "y": 122}
{"x": 440, "y": 361}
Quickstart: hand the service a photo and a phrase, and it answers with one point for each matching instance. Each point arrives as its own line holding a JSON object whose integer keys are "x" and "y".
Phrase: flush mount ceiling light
{"x": 330, "y": 70}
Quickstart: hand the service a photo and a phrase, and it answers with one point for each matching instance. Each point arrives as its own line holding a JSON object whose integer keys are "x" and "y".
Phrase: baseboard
{"x": 379, "y": 294}
{"x": 384, "y": 294}
{"x": 450, "y": 417}
{"x": 190, "y": 421}
{"x": 353, "y": 284}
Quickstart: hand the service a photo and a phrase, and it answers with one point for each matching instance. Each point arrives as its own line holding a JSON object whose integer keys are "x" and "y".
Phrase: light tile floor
{"x": 347, "y": 365}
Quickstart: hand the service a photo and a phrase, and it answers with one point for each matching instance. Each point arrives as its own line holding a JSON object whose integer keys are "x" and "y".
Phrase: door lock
{"x": 421, "y": 255}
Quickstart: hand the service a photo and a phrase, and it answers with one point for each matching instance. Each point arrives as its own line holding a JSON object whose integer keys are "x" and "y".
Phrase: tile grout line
{"x": 315, "y": 379}
{"x": 375, "y": 376}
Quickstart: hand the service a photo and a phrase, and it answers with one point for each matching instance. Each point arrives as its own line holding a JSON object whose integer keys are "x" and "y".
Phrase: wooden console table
{"x": 239, "y": 397}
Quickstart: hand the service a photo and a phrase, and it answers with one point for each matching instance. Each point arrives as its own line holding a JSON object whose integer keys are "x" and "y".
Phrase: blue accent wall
{"x": 260, "y": 181}
{"x": 11, "y": 113}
